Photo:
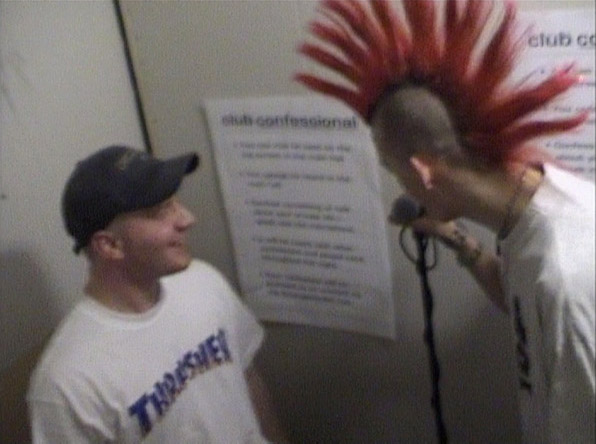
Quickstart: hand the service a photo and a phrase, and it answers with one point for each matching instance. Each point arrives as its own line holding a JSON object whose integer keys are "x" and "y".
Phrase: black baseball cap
{"x": 115, "y": 180}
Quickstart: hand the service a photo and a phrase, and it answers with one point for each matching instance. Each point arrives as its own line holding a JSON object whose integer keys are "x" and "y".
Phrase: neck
{"x": 117, "y": 292}
{"x": 500, "y": 198}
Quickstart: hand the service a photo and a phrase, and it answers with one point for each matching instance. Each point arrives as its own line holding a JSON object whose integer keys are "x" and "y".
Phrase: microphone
{"x": 405, "y": 209}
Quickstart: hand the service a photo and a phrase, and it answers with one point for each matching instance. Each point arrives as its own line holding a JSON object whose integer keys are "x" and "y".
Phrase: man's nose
{"x": 185, "y": 218}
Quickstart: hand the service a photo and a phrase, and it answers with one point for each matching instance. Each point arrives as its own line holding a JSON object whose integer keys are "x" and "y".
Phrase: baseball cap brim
{"x": 164, "y": 179}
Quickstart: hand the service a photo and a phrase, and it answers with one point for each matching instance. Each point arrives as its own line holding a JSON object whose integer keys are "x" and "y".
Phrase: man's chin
{"x": 180, "y": 264}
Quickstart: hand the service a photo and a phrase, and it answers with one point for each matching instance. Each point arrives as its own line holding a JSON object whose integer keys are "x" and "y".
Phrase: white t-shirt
{"x": 174, "y": 374}
{"x": 548, "y": 276}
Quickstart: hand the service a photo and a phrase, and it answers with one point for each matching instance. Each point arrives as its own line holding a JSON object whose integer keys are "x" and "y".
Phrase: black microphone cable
{"x": 404, "y": 210}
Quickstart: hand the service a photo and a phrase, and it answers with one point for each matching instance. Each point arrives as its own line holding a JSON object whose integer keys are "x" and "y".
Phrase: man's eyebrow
{"x": 163, "y": 204}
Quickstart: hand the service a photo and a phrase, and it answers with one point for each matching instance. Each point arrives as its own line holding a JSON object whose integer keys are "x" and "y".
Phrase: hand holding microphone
{"x": 407, "y": 211}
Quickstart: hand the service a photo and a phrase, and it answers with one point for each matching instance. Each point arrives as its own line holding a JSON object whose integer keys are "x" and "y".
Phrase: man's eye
{"x": 162, "y": 211}
{"x": 166, "y": 208}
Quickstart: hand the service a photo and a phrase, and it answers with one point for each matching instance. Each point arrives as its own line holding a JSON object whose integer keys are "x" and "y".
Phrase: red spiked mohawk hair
{"x": 377, "y": 52}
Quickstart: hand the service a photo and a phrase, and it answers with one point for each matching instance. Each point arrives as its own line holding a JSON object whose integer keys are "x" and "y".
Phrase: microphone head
{"x": 405, "y": 209}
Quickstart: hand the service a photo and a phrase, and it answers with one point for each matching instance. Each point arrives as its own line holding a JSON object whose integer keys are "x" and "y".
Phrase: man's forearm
{"x": 484, "y": 265}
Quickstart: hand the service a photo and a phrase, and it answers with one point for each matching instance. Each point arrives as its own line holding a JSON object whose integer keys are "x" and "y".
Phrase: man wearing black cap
{"x": 160, "y": 348}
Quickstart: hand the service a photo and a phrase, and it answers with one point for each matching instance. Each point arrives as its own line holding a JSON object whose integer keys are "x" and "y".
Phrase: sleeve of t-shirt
{"x": 53, "y": 422}
{"x": 572, "y": 396}
{"x": 568, "y": 333}
{"x": 247, "y": 331}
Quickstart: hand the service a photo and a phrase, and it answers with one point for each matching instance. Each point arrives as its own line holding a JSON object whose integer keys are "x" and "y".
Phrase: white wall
{"x": 65, "y": 92}
{"x": 330, "y": 386}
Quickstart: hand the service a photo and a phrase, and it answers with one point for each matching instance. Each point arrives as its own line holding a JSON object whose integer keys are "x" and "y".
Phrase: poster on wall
{"x": 300, "y": 184}
{"x": 558, "y": 39}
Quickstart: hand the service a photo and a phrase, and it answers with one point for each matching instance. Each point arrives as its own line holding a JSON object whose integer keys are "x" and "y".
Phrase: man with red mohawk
{"x": 457, "y": 137}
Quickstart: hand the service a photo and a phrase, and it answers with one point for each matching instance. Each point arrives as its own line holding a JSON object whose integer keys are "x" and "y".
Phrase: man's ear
{"x": 106, "y": 245}
{"x": 424, "y": 170}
